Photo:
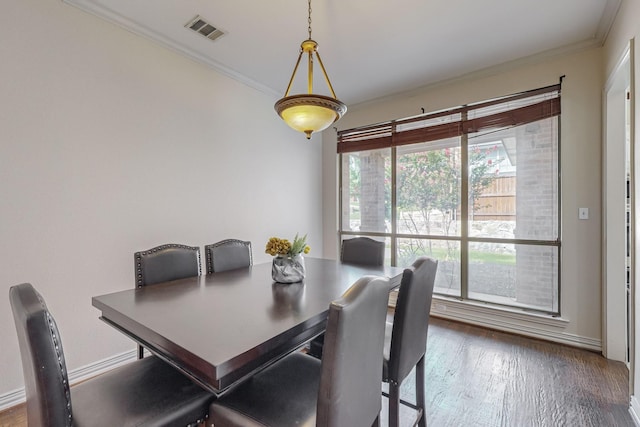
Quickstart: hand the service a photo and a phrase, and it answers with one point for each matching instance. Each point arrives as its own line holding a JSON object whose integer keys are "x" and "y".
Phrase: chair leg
{"x": 394, "y": 404}
{"x": 140, "y": 352}
{"x": 316, "y": 345}
{"x": 420, "y": 394}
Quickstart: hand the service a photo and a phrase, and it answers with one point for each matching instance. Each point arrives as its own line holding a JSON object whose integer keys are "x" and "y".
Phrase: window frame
{"x": 384, "y": 132}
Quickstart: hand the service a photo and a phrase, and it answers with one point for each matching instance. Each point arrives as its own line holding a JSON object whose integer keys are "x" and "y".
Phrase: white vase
{"x": 286, "y": 269}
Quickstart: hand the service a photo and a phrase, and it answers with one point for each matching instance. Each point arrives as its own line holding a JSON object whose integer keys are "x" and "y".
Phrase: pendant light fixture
{"x": 310, "y": 112}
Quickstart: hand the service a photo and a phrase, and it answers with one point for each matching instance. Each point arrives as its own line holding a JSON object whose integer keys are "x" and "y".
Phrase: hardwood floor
{"x": 14, "y": 416}
{"x": 483, "y": 378}
{"x": 478, "y": 377}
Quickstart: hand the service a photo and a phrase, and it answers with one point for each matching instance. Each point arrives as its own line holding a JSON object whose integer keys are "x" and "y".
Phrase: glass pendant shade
{"x": 309, "y": 113}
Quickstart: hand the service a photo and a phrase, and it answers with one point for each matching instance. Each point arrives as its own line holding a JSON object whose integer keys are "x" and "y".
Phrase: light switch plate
{"x": 583, "y": 213}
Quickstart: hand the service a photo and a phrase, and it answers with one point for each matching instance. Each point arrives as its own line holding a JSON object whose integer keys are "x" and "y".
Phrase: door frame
{"x": 618, "y": 330}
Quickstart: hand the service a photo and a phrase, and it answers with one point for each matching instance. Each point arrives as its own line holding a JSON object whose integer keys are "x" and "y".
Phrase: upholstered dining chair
{"x": 164, "y": 263}
{"x": 406, "y": 338}
{"x": 341, "y": 390}
{"x": 228, "y": 254}
{"x": 362, "y": 250}
{"x": 358, "y": 250}
{"x": 145, "y": 392}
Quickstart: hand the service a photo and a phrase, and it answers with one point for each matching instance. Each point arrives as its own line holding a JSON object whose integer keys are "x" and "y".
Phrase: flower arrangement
{"x": 283, "y": 247}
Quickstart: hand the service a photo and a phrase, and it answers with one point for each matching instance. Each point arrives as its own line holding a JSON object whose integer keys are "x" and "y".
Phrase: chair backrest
{"x": 228, "y": 255}
{"x": 349, "y": 393}
{"x": 43, "y": 364}
{"x": 166, "y": 262}
{"x": 411, "y": 317}
{"x": 362, "y": 250}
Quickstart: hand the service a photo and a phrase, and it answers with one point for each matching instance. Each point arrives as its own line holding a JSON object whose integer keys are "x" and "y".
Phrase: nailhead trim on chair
{"x": 63, "y": 374}
{"x": 197, "y": 423}
{"x": 139, "y": 283}
{"x": 209, "y": 253}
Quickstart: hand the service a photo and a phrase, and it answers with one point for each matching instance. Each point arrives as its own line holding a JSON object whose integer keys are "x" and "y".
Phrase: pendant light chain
{"x": 309, "y": 20}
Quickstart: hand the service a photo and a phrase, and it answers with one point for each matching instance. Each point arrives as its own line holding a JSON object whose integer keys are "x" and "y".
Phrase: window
{"x": 476, "y": 187}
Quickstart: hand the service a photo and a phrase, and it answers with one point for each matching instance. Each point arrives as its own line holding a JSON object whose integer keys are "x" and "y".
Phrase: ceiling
{"x": 370, "y": 48}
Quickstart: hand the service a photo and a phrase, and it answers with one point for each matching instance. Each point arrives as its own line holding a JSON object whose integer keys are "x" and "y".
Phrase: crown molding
{"x": 606, "y": 21}
{"x": 488, "y": 71}
{"x": 136, "y": 28}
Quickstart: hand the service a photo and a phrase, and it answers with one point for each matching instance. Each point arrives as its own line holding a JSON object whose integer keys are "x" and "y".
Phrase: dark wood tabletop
{"x": 222, "y": 327}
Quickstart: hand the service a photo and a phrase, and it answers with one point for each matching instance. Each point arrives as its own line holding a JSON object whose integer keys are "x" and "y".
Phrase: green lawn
{"x": 474, "y": 256}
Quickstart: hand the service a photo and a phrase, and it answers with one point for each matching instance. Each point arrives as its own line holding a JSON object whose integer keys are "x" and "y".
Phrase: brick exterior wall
{"x": 372, "y": 191}
{"x": 536, "y": 213}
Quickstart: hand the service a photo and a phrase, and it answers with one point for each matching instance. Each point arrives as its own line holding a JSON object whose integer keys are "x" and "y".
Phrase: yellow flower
{"x": 276, "y": 246}
{"x": 307, "y": 249}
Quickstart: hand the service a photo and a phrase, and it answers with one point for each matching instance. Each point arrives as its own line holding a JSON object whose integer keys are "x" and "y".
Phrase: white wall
{"x": 581, "y": 172}
{"x": 110, "y": 144}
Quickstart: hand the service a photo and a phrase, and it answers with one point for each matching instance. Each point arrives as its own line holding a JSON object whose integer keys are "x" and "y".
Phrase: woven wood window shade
{"x": 508, "y": 111}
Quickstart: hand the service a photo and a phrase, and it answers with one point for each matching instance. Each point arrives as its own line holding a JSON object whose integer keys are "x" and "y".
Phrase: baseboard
{"x": 12, "y": 398}
{"x": 634, "y": 410}
{"x": 18, "y": 396}
{"x": 515, "y": 321}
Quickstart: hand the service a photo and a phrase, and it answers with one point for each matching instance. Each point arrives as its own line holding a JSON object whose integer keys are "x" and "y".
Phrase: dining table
{"x": 222, "y": 328}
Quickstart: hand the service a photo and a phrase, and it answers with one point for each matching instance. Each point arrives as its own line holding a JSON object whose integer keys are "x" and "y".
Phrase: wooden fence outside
{"x": 498, "y": 201}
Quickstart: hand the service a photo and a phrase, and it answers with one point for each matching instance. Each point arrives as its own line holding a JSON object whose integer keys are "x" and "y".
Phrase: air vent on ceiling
{"x": 201, "y": 26}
